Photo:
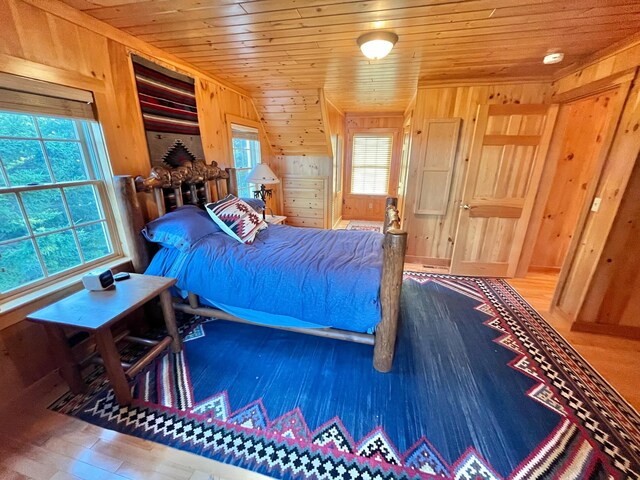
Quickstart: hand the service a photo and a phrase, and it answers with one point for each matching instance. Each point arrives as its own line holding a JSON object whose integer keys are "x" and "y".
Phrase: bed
{"x": 332, "y": 283}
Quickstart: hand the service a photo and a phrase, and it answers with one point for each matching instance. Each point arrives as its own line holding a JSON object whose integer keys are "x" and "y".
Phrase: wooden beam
{"x": 594, "y": 88}
{"x": 26, "y": 68}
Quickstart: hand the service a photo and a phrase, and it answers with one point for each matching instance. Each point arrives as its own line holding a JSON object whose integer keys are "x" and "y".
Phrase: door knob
{"x": 466, "y": 206}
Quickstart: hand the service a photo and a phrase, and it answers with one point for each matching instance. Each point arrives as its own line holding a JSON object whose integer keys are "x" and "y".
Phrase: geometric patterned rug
{"x": 364, "y": 225}
{"x": 481, "y": 388}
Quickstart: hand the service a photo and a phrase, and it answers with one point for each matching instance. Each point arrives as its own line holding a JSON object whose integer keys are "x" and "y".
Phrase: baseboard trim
{"x": 543, "y": 269}
{"x": 428, "y": 261}
{"x": 625, "y": 331}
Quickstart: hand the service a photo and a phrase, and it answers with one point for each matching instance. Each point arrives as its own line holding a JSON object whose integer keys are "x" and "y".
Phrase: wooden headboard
{"x": 194, "y": 183}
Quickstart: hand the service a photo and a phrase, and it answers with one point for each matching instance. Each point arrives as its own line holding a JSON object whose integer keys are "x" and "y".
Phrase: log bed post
{"x": 394, "y": 246}
{"x": 132, "y": 221}
{"x": 232, "y": 181}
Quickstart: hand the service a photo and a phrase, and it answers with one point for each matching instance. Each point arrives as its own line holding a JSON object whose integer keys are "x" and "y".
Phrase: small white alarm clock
{"x": 98, "y": 280}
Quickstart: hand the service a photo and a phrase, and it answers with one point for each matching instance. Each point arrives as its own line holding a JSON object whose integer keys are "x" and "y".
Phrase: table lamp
{"x": 261, "y": 174}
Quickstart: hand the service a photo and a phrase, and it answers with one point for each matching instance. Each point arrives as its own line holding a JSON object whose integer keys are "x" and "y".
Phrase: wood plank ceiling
{"x": 293, "y": 120}
{"x": 287, "y": 52}
{"x": 308, "y": 44}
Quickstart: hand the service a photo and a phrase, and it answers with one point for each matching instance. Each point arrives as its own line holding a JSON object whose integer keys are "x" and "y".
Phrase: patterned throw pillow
{"x": 236, "y": 218}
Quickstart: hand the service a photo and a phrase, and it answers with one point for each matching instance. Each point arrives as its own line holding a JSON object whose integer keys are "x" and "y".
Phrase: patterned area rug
{"x": 366, "y": 226}
{"x": 481, "y": 388}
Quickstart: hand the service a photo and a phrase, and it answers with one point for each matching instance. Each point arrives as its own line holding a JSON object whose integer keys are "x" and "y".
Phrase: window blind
{"x": 246, "y": 133}
{"x": 370, "y": 164}
{"x": 19, "y": 94}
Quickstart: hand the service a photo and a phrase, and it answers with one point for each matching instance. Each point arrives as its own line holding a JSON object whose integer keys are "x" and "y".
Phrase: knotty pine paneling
{"x": 583, "y": 126}
{"x": 586, "y": 274}
{"x": 371, "y": 207}
{"x": 431, "y": 237}
{"x": 607, "y": 63}
{"x": 38, "y": 44}
{"x": 612, "y": 300}
{"x": 578, "y": 272}
{"x": 338, "y": 142}
{"x": 291, "y": 44}
{"x": 293, "y": 121}
{"x": 310, "y": 116}
{"x": 37, "y": 36}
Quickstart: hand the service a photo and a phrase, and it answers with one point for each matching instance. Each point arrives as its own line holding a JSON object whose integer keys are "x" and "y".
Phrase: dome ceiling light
{"x": 377, "y": 45}
{"x": 552, "y": 58}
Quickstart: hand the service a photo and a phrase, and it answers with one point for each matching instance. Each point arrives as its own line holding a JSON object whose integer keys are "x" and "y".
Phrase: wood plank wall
{"x": 612, "y": 303}
{"x": 90, "y": 59}
{"x": 577, "y": 277}
{"x": 338, "y": 144}
{"x": 581, "y": 129}
{"x": 431, "y": 237}
{"x": 39, "y": 44}
{"x": 293, "y": 120}
{"x": 371, "y": 207}
{"x": 316, "y": 160}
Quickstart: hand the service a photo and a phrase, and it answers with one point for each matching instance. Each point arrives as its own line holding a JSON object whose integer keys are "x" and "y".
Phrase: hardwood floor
{"x": 40, "y": 444}
{"x": 616, "y": 359}
{"x": 36, "y": 443}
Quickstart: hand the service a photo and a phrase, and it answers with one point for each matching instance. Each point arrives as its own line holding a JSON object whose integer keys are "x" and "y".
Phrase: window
{"x": 371, "y": 164}
{"x": 246, "y": 155}
{"x": 52, "y": 200}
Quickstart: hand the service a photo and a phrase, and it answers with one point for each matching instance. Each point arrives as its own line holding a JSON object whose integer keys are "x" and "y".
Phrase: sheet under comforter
{"x": 323, "y": 277}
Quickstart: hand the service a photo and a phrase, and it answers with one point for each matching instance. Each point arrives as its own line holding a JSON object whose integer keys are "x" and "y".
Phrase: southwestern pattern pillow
{"x": 236, "y": 218}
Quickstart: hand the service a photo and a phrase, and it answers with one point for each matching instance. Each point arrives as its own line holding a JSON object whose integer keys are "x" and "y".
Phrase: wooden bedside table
{"x": 275, "y": 219}
{"x": 97, "y": 312}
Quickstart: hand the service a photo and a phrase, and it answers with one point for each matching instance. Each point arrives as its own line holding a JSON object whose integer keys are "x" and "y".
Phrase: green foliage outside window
{"x": 46, "y": 231}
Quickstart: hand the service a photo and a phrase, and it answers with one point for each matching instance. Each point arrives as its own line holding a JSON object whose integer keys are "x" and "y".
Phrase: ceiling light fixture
{"x": 377, "y": 45}
{"x": 552, "y": 58}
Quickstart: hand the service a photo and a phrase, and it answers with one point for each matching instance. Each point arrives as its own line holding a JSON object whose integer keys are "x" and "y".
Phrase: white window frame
{"x": 245, "y": 123}
{"x": 252, "y": 161}
{"x": 352, "y": 165}
{"x": 90, "y": 139}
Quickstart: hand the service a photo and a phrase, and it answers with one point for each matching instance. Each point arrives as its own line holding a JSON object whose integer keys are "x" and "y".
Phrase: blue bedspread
{"x": 324, "y": 277}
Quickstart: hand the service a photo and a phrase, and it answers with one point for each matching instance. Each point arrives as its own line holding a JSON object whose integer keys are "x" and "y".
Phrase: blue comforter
{"x": 322, "y": 277}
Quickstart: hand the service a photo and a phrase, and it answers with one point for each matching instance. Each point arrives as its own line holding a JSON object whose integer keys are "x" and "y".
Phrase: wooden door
{"x": 507, "y": 156}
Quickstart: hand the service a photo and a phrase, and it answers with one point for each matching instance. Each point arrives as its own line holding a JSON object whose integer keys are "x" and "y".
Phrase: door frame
{"x": 622, "y": 82}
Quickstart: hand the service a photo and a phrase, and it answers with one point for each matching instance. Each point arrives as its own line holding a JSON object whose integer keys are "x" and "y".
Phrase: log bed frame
{"x": 198, "y": 183}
